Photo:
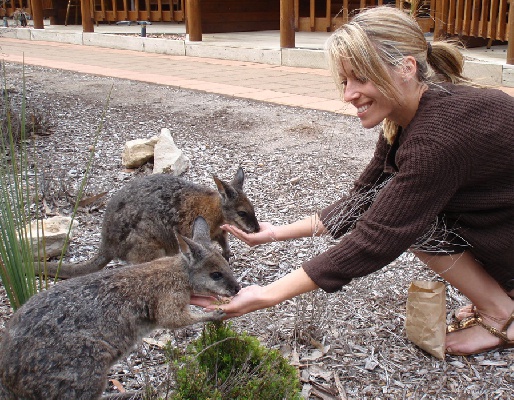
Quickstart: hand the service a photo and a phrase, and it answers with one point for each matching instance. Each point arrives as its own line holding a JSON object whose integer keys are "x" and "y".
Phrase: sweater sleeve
{"x": 429, "y": 174}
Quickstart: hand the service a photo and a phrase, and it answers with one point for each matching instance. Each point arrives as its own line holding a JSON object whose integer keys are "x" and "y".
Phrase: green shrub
{"x": 223, "y": 364}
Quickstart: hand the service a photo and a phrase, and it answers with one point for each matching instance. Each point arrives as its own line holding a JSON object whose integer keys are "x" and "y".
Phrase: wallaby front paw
{"x": 218, "y": 315}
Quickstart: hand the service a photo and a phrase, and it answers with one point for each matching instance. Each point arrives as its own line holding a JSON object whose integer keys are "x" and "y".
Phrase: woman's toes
{"x": 465, "y": 312}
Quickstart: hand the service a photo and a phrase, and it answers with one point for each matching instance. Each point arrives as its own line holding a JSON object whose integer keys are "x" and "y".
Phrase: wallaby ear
{"x": 226, "y": 190}
{"x": 182, "y": 244}
{"x": 201, "y": 231}
{"x": 239, "y": 178}
{"x": 190, "y": 248}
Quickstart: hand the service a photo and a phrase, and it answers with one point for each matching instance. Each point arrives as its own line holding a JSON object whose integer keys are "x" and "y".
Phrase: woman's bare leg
{"x": 492, "y": 302}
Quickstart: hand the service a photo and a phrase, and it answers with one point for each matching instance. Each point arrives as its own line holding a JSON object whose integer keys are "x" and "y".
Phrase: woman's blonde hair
{"x": 378, "y": 39}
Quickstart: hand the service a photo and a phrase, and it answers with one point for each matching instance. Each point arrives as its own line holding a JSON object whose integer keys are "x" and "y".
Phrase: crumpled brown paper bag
{"x": 425, "y": 321}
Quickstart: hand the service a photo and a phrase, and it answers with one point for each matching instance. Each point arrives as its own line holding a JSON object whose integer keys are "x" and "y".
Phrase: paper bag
{"x": 425, "y": 321}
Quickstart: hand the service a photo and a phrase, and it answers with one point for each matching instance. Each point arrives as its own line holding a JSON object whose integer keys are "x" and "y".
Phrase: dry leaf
{"x": 118, "y": 385}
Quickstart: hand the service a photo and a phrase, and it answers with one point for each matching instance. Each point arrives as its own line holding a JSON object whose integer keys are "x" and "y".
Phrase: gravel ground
{"x": 350, "y": 344}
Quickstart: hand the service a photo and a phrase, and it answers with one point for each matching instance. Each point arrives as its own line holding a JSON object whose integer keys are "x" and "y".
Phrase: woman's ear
{"x": 409, "y": 68}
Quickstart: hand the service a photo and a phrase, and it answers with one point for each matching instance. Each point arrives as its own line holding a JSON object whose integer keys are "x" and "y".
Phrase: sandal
{"x": 477, "y": 319}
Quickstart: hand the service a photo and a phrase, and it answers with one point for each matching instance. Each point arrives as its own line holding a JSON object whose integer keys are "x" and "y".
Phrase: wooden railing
{"x": 8, "y": 7}
{"x": 137, "y": 10}
{"x": 328, "y": 15}
{"x": 486, "y": 19}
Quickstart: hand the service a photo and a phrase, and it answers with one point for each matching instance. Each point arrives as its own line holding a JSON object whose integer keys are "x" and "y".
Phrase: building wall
{"x": 240, "y": 15}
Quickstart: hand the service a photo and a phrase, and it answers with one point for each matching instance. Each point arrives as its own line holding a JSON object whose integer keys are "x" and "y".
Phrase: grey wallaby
{"x": 62, "y": 342}
{"x": 140, "y": 219}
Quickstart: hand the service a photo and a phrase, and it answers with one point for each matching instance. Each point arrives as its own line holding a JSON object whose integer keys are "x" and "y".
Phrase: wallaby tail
{"x": 67, "y": 271}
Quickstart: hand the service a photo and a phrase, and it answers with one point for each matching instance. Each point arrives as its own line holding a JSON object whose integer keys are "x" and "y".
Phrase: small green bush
{"x": 222, "y": 364}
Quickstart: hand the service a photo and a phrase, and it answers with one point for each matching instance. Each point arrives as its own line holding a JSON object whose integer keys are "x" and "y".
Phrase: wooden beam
{"x": 87, "y": 20}
{"x": 510, "y": 45}
{"x": 287, "y": 22}
{"x": 37, "y": 14}
{"x": 194, "y": 20}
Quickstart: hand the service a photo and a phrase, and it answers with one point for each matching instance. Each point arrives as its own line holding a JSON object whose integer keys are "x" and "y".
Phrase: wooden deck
{"x": 489, "y": 20}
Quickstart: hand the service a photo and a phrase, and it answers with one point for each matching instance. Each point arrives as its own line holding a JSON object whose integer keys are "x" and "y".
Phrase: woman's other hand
{"x": 266, "y": 234}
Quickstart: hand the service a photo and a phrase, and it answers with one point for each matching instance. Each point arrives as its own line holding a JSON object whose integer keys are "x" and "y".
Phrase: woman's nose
{"x": 350, "y": 93}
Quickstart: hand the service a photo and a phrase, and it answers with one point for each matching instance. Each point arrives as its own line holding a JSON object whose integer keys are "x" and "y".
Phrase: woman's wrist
{"x": 268, "y": 297}
{"x": 272, "y": 234}
{"x": 290, "y": 285}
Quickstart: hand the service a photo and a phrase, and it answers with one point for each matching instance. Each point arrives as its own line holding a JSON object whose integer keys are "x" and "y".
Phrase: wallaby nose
{"x": 237, "y": 288}
{"x": 253, "y": 225}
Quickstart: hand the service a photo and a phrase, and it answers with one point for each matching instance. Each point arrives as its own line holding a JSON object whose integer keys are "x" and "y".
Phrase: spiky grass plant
{"x": 23, "y": 276}
{"x": 17, "y": 269}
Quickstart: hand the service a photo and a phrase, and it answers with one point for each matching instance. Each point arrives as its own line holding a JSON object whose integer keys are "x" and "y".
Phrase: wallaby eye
{"x": 216, "y": 276}
{"x": 242, "y": 214}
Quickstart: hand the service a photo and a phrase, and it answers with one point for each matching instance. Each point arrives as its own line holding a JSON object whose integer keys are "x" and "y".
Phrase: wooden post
{"x": 37, "y": 14}
{"x": 287, "y": 36}
{"x": 194, "y": 20}
{"x": 438, "y": 28}
{"x": 510, "y": 39}
{"x": 87, "y": 20}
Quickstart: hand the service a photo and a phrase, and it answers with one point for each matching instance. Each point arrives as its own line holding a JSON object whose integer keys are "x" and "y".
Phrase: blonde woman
{"x": 442, "y": 179}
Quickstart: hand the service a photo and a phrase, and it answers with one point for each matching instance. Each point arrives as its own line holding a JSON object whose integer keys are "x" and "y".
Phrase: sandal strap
{"x": 493, "y": 331}
{"x": 464, "y": 324}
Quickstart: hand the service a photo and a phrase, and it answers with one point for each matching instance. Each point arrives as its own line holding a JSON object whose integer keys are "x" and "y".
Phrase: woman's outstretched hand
{"x": 265, "y": 234}
{"x": 252, "y": 298}
{"x": 248, "y": 299}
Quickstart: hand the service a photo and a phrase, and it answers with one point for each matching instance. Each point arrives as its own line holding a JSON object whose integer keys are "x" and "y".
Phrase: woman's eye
{"x": 343, "y": 83}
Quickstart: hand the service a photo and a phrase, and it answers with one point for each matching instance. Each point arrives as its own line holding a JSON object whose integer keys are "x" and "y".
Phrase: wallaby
{"x": 62, "y": 342}
{"x": 140, "y": 220}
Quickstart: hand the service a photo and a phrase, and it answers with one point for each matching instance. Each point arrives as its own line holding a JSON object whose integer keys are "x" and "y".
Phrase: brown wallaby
{"x": 140, "y": 219}
{"x": 62, "y": 342}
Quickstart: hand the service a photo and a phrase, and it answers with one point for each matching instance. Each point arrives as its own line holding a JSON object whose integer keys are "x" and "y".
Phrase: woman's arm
{"x": 252, "y": 298}
{"x": 310, "y": 226}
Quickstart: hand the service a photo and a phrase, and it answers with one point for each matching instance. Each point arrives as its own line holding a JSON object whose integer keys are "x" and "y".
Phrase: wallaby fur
{"x": 141, "y": 218}
{"x": 62, "y": 342}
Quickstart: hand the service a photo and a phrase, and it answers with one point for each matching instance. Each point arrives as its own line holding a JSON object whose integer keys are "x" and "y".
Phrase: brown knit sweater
{"x": 455, "y": 161}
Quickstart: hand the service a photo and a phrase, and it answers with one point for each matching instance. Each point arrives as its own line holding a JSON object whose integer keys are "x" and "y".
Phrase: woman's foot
{"x": 478, "y": 339}
{"x": 469, "y": 309}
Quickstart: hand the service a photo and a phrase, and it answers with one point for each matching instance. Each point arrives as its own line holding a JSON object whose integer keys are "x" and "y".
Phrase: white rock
{"x": 168, "y": 158}
{"x": 55, "y": 230}
{"x": 138, "y": 151}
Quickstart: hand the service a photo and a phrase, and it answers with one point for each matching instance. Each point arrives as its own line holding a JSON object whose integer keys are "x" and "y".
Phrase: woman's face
{"x": 371, "y": 104}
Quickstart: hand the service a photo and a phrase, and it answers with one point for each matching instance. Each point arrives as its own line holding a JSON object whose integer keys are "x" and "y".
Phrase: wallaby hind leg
{"x": 142, "y": 253}
{"x": 143, "y": 247}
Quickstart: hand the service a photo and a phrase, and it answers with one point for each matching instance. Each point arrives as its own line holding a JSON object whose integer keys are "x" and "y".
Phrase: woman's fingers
{"x": 265, "y": 235}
